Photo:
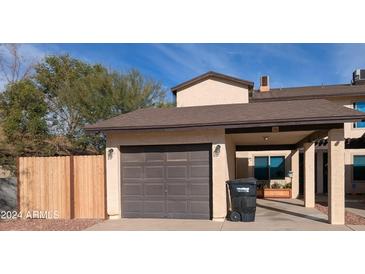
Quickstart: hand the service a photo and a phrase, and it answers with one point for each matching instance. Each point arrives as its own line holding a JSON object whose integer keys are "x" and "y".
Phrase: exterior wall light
{"x": 217, "y": 150}
{"x": 110, "y": 153}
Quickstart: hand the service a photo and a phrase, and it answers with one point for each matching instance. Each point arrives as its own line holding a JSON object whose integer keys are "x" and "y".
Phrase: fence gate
{"x": 67, "y": 186}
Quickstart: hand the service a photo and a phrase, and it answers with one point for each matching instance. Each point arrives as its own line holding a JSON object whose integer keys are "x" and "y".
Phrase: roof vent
{"x": 358, "y": 77}
{"x": 264, "y": 83}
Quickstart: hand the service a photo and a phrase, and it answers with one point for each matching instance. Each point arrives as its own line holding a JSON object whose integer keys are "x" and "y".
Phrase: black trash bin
{"x": 243, "y": 199}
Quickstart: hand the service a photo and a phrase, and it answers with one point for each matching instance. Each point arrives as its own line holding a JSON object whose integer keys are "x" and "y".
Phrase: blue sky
{"x": 286, "y": 64}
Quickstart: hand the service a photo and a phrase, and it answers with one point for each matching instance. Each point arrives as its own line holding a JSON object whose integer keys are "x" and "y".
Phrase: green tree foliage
{"x": 23, "y": 115}
{"x": 44, "y": 113}
{"x": 78, "y": 93}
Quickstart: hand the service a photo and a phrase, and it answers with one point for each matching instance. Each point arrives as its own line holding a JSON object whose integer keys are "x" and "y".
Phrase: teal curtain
{"x": 359, "y": 167}
{"x": 277, "y": 167}
{"x": 360, "y": 106}
{"x": 262, "y": 168}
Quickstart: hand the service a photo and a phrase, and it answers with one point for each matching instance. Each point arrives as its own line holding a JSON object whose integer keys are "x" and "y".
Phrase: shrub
{"x": 276, "y": 186}
{"x": 288, "y": 185}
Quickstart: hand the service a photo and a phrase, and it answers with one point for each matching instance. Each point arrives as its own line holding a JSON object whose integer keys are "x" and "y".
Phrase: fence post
{"x": 105, "y": 189}
{"x": 17, "y": 184}
{"x": 72, "y": 188}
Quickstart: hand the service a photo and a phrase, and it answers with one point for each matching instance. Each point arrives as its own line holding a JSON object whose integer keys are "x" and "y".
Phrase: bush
{"x": 288, "y": 185}
{"x": 276, "y": 186}
{"x": 263, "y": 185}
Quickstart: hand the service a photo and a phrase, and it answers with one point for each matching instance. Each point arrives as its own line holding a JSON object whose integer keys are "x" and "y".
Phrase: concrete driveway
{"x": 280, "y": 214}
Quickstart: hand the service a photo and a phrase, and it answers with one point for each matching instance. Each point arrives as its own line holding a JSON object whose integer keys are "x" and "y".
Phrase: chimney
{"x": 264, "y": 83}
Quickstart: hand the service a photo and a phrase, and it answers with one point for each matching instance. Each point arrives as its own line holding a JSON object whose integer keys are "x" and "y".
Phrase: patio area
{"x": 271, "y": 215}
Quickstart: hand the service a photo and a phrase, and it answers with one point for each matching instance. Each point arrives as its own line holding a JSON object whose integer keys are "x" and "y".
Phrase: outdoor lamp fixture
{"x": 110, "y": 153}
{"x": 217, "y": 150}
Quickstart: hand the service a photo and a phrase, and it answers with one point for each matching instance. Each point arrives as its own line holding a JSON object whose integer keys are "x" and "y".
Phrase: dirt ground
{"x": 47, "y": 225}
{"x": 350, "y": 218}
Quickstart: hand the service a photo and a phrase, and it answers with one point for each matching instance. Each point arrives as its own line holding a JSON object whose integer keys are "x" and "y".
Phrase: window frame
{"x": 361, "y": 180}
{"x": 355, "y": 107}
{"x": 269, "y": 168}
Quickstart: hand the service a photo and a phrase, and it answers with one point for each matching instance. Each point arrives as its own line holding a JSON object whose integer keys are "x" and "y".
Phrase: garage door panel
{"x": 199, "y": 207}
{"x": 176, "y": 172}
{"x": 177, "y": 189}
{"x": 177, "y": 206}
{"x": 157, "y": 206}
{"x": 154, "y": 157}
{"x": 201, "y": 171}
{"x": 155, "y": 172}
{"x": 177, "y": 156}
{"x": 154, "y": 190}
{"x": 199, "y": 156}
{"x": 132, "y": 172}
{"x": 133, "y": 206}
{"x": 199, "y": 189}
{"x": 132, "y": 189}
{"x": 132, "y": 157}
{"x": 166, "y": 181}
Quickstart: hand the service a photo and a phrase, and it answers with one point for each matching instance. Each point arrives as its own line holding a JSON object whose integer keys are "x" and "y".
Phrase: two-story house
{"x": 174, "y": 162}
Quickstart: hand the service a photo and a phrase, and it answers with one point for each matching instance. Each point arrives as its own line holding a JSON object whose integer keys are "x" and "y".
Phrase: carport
{"x": 165, "y": 183}
{"x": 292, "y": 139}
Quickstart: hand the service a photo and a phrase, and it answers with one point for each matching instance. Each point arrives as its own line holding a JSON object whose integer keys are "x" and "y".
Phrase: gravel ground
{"x": 350, "y": 218}
{"x": 47, "y": 224}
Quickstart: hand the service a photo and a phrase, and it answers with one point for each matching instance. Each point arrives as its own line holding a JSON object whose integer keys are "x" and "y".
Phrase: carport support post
{"x": 309, "y": 174}
{"x": 319, "y": 171}
{"x": 295, "y": 172}
{"x": 336, "y": 176}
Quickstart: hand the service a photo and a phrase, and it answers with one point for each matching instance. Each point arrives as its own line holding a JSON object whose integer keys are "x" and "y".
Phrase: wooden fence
{"x": 69, "y": 186}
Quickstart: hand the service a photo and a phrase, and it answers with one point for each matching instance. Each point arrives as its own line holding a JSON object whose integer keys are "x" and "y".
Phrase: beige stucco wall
{"x": 350, "y": 130}
{"x": 294, "y": 156}
{"x": 246, "y": 161}
{"x": 309, "y": 174}
{"x": 221, "y": 165}
{"x": 336, "y": 176}
{"x": 211, "y": 92}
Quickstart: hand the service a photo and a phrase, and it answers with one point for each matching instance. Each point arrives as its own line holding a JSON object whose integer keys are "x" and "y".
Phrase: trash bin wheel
{"x": 234, "y": 216}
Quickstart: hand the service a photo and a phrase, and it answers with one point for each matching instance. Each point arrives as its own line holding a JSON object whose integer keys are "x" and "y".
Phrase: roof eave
{"x": 304, "y": 97}
{"x": 313, "y": 121}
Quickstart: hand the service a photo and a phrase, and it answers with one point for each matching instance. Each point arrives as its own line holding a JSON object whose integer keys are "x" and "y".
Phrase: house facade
{"x": 174, "y": 162}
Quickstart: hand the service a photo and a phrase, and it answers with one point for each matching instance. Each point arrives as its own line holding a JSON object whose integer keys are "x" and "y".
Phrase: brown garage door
{"x": 166, "y": 181}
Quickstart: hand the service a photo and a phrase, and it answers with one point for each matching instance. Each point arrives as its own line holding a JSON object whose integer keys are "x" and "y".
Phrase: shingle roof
{"x": 311, "y": 92}
{"x": 233, "y": 115}
{"x": 212, "y": 75}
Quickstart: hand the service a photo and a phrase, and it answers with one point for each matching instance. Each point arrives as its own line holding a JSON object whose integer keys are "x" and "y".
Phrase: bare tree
{"x": 13, "y": 66}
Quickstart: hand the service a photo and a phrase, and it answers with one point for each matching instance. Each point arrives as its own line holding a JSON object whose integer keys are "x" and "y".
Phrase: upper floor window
{"x": 360, "y": 106}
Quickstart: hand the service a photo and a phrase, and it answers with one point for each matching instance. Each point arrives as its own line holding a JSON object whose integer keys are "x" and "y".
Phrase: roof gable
{"x": 212, "y": 75}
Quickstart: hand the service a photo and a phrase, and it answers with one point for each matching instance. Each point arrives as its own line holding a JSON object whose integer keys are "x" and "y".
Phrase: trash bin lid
{"x": 249, "y": 180}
